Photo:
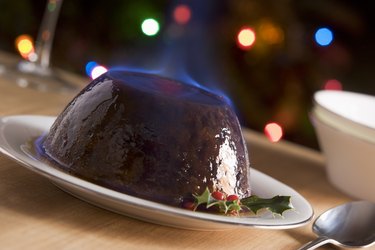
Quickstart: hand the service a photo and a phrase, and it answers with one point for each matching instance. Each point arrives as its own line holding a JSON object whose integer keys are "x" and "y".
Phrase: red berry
{"x": 232, "y": 197}
{"x": 189, "y": 205}
{"x": 218, "y": 195}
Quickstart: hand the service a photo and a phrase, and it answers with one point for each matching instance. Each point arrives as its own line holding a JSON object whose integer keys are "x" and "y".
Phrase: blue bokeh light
{"x": 90, "y": 66}
{"x": 324, "y": 36}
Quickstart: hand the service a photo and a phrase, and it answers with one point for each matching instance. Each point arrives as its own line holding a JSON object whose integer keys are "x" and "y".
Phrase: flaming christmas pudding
{"x": 150, "y": 137}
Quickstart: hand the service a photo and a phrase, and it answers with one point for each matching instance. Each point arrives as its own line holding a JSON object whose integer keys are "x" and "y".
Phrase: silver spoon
{"x": 348, "y": 225}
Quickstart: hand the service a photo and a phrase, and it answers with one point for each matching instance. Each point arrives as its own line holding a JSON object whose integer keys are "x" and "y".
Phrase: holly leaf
{"x": 276, "y": 205}
{"x": 204, "y": 198}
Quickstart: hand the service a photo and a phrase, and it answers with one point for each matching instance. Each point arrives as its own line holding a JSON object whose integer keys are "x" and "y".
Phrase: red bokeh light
{"x": 246, "y": 38}
{"x": 273, "y": 131}
{"x": 333, "y": 84}
{"x": 182, "y": 14}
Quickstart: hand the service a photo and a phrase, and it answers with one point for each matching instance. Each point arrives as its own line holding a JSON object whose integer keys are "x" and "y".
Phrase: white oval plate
{"x": 17, "y": 131}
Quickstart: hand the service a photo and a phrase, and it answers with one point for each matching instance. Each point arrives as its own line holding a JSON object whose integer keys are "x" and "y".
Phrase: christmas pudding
{"x": 150, "y": 137}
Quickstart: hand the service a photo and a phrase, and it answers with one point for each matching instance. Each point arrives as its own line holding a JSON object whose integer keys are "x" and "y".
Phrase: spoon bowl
{"x": 349, "y": 225}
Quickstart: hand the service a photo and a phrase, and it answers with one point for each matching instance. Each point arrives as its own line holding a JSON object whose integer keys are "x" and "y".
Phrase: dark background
{"x": 267, "y": 83}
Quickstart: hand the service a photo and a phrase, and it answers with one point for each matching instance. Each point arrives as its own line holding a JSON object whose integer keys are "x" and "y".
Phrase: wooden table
{"x": 34, "y": 214}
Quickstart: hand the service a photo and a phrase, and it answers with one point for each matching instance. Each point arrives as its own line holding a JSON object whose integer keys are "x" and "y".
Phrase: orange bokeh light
{"x": 273, "y": 131}
{"x": 182, "y": 14}
{"x": 246, "y": 38}
{"x": 24, "y": 45}
{"x": 271, "y": 33}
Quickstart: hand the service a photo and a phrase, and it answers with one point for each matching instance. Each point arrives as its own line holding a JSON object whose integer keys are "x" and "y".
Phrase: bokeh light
{"x": 25, "y": 46}
{"x": 332, "y": 84}
{"x": 150, "y": 27}
{"x": 52, "y": 5}
{"x": 90, "y": 66}
{"x": 98, "y": 71}
{"x": 271, "y": 33}
{"x": 182, "y": 14}
{"x": 273, "y": 131}
{"x": 46, "y": 35}
{"x": 246, "y": 38}
{"x": 323, "y": 36}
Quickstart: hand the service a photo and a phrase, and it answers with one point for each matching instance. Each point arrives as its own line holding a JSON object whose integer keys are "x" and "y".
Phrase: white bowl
{"x": 350, "y": 112}
{"x": 350, "y": 160}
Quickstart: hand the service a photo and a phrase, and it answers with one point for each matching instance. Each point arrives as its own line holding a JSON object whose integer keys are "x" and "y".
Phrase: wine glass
{"x": 35, "y": 71}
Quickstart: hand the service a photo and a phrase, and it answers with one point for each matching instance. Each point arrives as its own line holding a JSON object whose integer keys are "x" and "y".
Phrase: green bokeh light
{"x": 150, "y": 27}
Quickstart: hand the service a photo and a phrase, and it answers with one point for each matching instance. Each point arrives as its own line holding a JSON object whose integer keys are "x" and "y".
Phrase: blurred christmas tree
{"x": 270, "y": 71}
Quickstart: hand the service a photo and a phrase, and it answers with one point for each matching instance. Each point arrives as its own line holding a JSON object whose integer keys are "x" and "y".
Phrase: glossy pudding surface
{"x": 150, "y": 137}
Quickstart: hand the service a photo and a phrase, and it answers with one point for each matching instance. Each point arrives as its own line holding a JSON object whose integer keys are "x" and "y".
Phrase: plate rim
{"x": 122, "y": 197}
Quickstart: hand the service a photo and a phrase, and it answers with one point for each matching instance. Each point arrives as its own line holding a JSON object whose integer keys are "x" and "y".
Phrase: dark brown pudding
{"x": 150, "y": 137}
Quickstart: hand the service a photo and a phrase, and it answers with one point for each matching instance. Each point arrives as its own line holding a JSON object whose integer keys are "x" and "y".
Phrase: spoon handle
{"x": 320, "y": 241}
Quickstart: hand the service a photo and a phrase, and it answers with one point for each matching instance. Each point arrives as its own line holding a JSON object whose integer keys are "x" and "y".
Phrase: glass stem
{"x": 46, "y": 33}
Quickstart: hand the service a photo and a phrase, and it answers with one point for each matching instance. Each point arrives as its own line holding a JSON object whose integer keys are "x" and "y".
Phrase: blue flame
{"x": 136, "y": 69}
{"x": 189, "y": 57}
{"x": 38, "y": 144}
{"x": 180, "y": 76}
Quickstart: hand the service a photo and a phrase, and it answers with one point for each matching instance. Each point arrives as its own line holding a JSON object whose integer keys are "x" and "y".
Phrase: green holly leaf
{"x": 233, "y": 206}
{"x": 204, "y": 198}
{"x": 276, "y": 205}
